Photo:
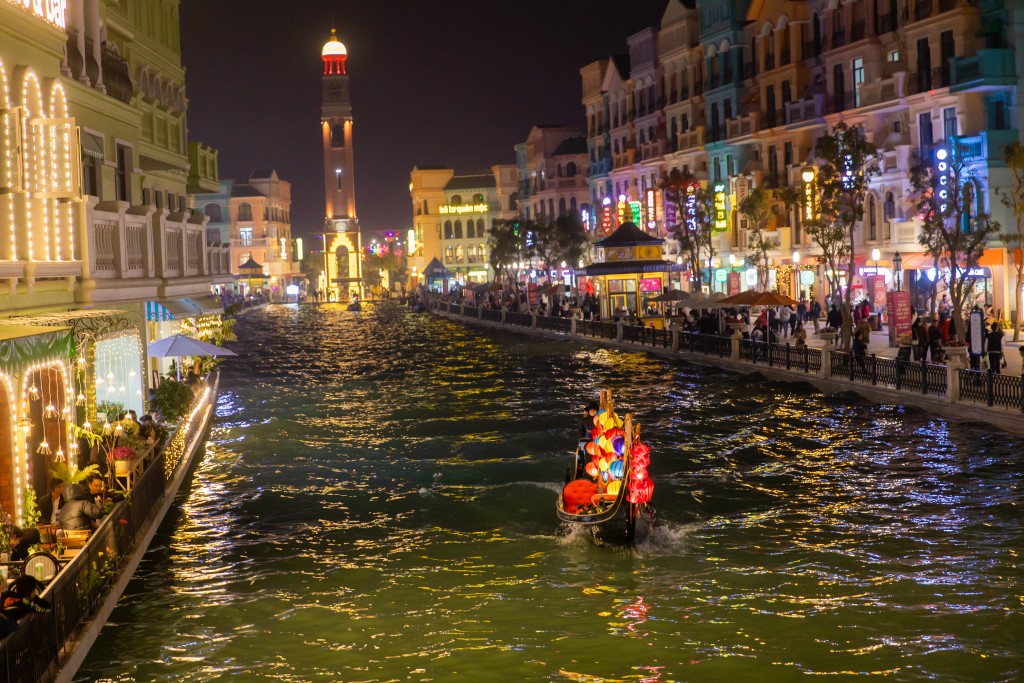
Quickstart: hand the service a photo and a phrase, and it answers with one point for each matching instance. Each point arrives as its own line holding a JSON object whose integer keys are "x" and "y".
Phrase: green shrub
{"x": 173, "y": 399}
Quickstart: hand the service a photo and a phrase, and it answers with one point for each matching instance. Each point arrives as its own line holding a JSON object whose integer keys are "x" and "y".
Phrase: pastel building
{"x": 261, "y": 234}
{"x": 737, "y": 91}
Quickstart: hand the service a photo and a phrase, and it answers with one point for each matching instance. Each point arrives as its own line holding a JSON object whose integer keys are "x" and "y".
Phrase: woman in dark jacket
{"x": 80, "y": 509}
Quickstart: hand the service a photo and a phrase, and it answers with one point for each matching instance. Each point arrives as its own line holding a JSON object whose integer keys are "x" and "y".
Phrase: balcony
{"x": 989, "y": 146}
{"x": 576, "y": 182}
{"x": 692, "y": 138}
{"x": 769, "y": 62}
{"x": 745, "y": 125}
{"x": 838, "y": 38}
{"x": 878, "y": 92}
{"x": 805, "y": 110}
{"x": 652, "y": 150}
{"x": 989, "y": 69}
{"x": 903, "y": 233}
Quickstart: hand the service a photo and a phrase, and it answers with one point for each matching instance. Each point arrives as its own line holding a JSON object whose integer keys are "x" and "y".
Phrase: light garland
{"x": 23, "y": 454}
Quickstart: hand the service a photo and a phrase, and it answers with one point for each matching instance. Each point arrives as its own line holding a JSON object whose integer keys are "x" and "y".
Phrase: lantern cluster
{"x": 641, "y": 488}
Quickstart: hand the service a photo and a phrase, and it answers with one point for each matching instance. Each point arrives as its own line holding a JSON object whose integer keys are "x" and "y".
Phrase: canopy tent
{"x": 435, "y": 269}
{"x": 176, "y": 309}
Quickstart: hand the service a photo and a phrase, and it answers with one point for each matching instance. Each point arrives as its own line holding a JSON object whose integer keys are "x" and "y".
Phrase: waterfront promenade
{"x": 952, "y": 391}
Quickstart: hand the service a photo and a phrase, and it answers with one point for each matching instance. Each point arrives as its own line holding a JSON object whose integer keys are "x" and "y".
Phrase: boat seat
{"x": 601, "y": 498}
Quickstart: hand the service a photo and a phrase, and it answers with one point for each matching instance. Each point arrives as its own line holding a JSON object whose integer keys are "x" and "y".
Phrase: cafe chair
{"x": 43, "y": 566}
{"x": 75, "y": 538}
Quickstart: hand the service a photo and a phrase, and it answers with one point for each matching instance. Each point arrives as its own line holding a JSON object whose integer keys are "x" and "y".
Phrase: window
{"x": 998, "y": 119}
{"x": 561, "y": 206}
{"x": 213, "y": 211}
{"x": 838, "y": 86}
{"x": 947, "y": 50}
{"x": 728, "y": 165}
{"x": 146, "y": 196}
{"x": 787, "y": 94}
{"x": 894, "y": 56}
{"x": 924, "y": 65}
{"x": 470, "y": 231}
{"x": 458, "y": 230}
{"x": 773, "y": 166}
{"x": 949, "y": 130}
{"x": 448, "y": 234}
{"x": 90, "y": 176}
{"x": 889, "y": 208}
{"x": 122, "y": 173}
{"x": 245, "y": 236}
{"x": 924, "y": 129}
{"x": 858, "y": 78}
{"x": 728, "y": 109}
{"x": 570, "y": 169}
{"x": 480, "y": 227}
{"x": 872, "y": 219}
{"x": 456, "y": 199}
{"x": 770, "y": 100}
{"x": 159, "y": 199}
{"x": 787, "y": 154}
{"x": 337, "y": 135}
{"x": 245, "y": 212}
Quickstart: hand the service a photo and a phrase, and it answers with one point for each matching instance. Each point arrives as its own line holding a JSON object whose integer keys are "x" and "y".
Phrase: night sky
{"x": 446, "y": 83}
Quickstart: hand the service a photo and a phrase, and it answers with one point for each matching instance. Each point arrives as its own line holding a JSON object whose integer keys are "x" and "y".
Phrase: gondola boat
{"x": 608, "y": 490}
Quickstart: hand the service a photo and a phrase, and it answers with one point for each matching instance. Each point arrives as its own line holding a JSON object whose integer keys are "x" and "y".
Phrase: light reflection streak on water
{"x": 799, "y": 535}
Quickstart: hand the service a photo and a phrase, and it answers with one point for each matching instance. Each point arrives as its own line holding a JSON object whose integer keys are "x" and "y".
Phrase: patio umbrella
{"x": 672, "y": 295}
{"x": 773, "y": 299}
{"x": 178, "y": 345}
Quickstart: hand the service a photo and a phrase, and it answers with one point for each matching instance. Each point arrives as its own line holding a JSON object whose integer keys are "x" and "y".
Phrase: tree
{"x": 756, "y": 206}
{"x": 695, "y": 209}
{"x": 847, "y": 162}
{"x": 954, "y": 229}
{"x": 1014, "y": 241}
{"x": 375, "y": 264}
{"x": 507, "y": 247}
{"x": 312, "y": 265}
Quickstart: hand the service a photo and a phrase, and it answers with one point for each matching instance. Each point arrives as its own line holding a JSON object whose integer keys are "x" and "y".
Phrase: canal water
{"x": 376, "y": 503}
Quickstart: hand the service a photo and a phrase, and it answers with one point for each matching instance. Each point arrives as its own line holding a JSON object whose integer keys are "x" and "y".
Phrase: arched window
{"x": 470, "y": 232}
{"x": 448, "y": 230}
{"x": 570, "y": 169}
{"x": 572, "y": 207}
{"x": 480, "y": 227}
{"x": 816, "y": 45}
{"x": 337, "y": 135}
{"x": 561, "y": 206}
{"x": 551, "y": 209}
{"x": 559, "y": 170}
{"x": 889, "y": 208}
{"x": 245, "y": 212}
{"x": 478, "y": 198}
{"x": 513, "y": 200}
{"x": 449, "y": 254}
{"x": 341, "y": 256}
{"x": 456, "y": 199}
{"x": 458, "y": 229}
{"x": 213, "y": 211}
{"x": 460, "y": 254}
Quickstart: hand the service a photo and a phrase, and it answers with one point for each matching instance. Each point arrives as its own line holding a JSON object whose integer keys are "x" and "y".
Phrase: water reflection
{"x": 797, "y": 534}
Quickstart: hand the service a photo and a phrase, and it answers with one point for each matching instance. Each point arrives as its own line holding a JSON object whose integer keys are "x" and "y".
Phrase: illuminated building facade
{"x": 738, "y": 91}
{"x": 426, "y": 190}
{"x": 342, "y": 241}
{"x": 95, "y": 226}
{"x": 552, "y": 169}
{"x": 259, "y": 215}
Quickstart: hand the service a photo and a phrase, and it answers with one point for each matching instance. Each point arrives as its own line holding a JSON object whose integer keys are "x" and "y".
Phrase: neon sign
{"x": 606, "y": 219}
{"x": 634, "y": 210}
{"x": 691, "y": 208}
{"x": 942, "y": 168}
{"x": 721, "y": 225}
{"x": 463, "y": 208}
{"x": 52, "y": 11}
{"x": 621, "y": 208}
{"x": 808, "y": 178}
{"x": 651, "y": 212}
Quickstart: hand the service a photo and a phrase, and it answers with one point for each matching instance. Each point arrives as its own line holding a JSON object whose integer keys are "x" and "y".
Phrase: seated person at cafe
{"x": 49, "y": 506}
{"x": 80, "y": 510}
{"x": 21, "y": 598}
{"x": 21, "y": 541}
{"x": 98, "y": 490}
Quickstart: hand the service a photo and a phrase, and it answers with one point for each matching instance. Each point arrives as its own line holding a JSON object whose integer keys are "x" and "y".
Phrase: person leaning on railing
{"x": 80, "y": 509}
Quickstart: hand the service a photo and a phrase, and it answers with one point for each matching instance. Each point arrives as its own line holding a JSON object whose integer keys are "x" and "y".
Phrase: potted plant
{"x": 173, "y": 399}
{"x": 122, "y": 456}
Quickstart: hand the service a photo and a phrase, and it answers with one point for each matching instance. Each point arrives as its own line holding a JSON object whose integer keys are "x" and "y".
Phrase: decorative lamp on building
{"x": 897, "y": 269}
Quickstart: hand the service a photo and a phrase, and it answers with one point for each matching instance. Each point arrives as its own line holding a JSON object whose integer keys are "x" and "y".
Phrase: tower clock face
{"x": 335, "y": 91}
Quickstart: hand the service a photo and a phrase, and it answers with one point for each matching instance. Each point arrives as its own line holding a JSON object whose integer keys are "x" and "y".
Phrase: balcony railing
{"x": 804, "y": 110}
{"x": 987, "y": 68}
{"x": 877, "y": 92}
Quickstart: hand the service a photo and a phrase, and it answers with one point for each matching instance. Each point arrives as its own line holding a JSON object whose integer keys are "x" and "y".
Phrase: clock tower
{"x": 342, "y": 244}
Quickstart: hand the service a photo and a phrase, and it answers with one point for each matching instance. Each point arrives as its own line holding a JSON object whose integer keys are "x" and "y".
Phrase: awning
{"x": 92, "y": 146}
{"x": 176, "y": 309}
{"x": 917, "y": 261}
{"x": 624, "y": 267}
{"x": 992, "y": 257}
{"x": 24, "y": 345}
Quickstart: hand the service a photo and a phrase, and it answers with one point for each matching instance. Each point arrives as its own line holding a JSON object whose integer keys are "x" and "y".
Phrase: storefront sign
{"x": 634, "y": 211}
{"x": 721, "y": 275}
{"x": 751, "y": 277}
{"x": 671, "y": 215}
{"x": 622, "y": 209}
{"x": 606, "y": 220}
{"x": 651, "y": 213}
{"x": 650, "y": 284}
{"x": 899, "y": 315}
{"x": 807, "y": 277}
{"x": 532, "y": 298}
{"x": 734, "y": 283}
{"x": 721, "y": 224}
{"x": 942, "y": 177}
{"x": 691, "y": 208}
{"x": 52, "y": 11}
{"x": 878, "y": 295}
{"x": 463, "y": 208}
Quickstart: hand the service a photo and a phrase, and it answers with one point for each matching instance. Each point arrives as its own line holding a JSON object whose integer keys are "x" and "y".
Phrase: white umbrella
{"x": 178, "y": 345}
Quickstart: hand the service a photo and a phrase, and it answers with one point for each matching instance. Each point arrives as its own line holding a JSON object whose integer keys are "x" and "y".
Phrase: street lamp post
{"x": 897, "y": 269}
{"x": 796, "y": 272}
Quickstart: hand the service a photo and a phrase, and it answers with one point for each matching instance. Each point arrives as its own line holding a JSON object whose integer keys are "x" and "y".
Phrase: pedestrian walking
{"x": 816, "y": 314}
